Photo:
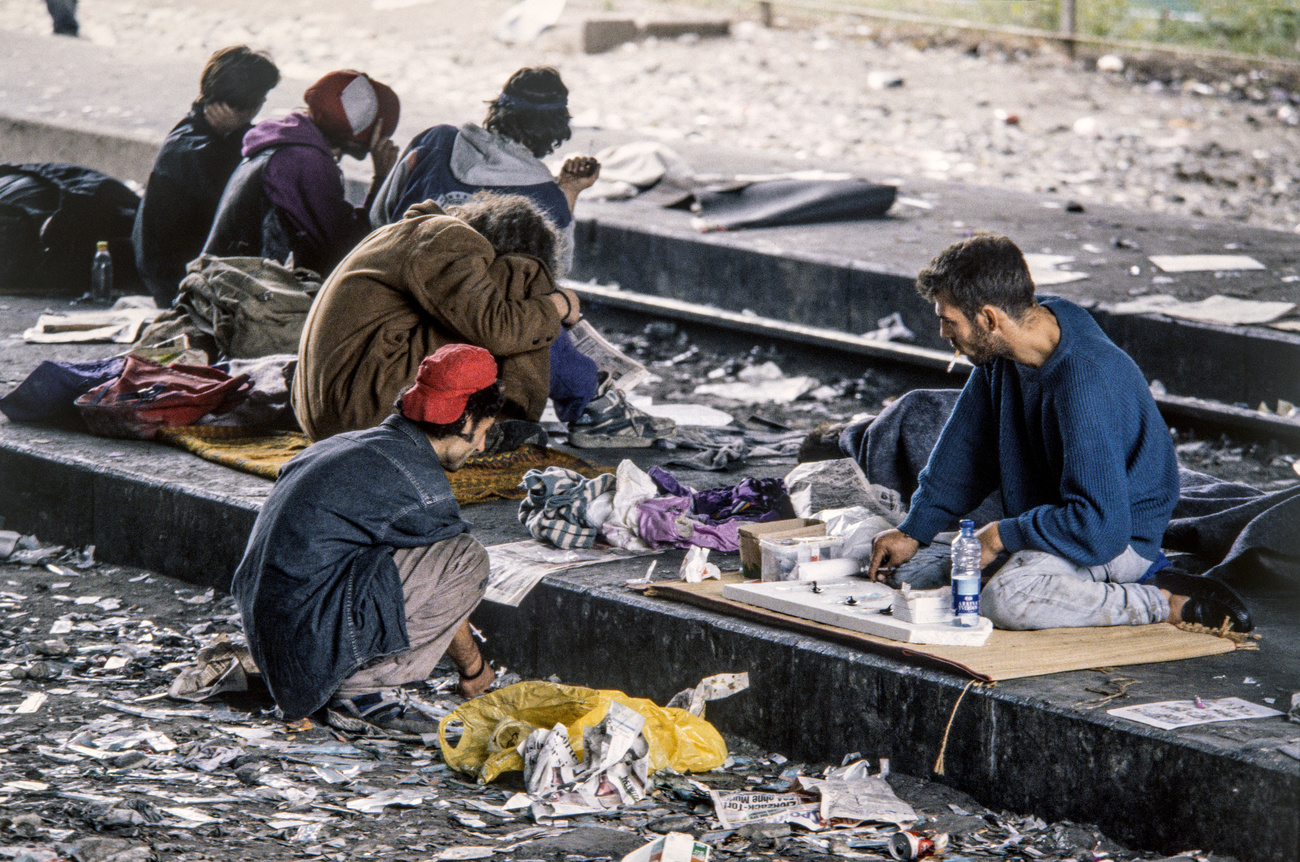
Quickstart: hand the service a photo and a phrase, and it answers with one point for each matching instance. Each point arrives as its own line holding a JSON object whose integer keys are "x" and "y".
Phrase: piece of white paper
{"x": 1043, "y": 269}
{"x": 1171, "y": 714}
{"x": 1204, "y": 262}
{"x": 1225, "y": 310}
{"x": 516, "y": 567}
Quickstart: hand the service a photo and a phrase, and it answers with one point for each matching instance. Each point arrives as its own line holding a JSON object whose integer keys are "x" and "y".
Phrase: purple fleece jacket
{"x": 304, "y": 181}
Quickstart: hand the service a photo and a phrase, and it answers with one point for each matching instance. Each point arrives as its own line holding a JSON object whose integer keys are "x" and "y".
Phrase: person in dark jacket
{"x": 195, "y": 162}
{"x": 359, "y": 573}
{"x": 287, "y": 196}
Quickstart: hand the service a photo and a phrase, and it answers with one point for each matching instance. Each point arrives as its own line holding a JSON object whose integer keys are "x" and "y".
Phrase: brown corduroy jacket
{"x": 403, "y": 292}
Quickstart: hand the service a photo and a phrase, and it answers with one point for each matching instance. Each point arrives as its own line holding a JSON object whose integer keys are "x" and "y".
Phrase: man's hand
{"x": 578, "y": 173}
{"x": 570, "y": 311}
{"x": 990, "y": 542}
{"x": 383, "y": 154}
{"x": 889, "y": 550}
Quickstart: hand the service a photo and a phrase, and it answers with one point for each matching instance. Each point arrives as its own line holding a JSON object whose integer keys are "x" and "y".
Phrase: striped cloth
{"x": 558, "y": 505}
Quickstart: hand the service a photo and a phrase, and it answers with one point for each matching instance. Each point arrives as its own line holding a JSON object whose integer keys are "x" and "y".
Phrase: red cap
{"x": 347, "y": 105}
{"x": 445, "y": 382}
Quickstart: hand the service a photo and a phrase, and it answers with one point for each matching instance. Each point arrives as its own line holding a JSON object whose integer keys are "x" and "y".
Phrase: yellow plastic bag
{"x": 496, "y": 723}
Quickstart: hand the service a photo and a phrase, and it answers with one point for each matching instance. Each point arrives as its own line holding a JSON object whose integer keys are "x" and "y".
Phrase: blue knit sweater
{"x": 1078, "y": 449}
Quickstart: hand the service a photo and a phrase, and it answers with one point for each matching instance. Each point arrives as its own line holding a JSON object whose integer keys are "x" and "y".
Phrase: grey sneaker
{"x": 609, "y": 422}
{"x": 391, "y": 712}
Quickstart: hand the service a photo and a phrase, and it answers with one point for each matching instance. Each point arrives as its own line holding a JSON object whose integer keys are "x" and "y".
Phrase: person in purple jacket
{"x": 1061, "y": 422}
{"x": 287, "y": 195}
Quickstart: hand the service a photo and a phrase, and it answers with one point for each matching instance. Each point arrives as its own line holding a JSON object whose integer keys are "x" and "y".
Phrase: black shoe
{"x": 822, "y": 443}
{"x": 507, "y": 435}
{"x": 1209, "y": 601}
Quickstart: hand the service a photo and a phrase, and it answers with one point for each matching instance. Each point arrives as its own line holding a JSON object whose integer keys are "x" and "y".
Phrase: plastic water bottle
{"x": 966, "y": 551}
{"x": 101, "y": 275}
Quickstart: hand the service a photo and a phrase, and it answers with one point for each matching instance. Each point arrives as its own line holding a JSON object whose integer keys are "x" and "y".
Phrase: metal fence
{"x": 1242, "y": 29}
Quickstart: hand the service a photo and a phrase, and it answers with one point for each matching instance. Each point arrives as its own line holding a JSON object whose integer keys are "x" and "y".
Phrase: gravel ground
{"x": 1190, "y": 138}
{"x": 98, "y": 765}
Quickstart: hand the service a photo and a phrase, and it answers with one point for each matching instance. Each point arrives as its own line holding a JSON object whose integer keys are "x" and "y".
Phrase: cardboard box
{"x": 751, "y": 553}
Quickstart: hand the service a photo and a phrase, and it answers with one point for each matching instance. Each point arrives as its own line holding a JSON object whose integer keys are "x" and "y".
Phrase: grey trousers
{"x": 442, "y": 583}
{"x": 1038, "y": 590}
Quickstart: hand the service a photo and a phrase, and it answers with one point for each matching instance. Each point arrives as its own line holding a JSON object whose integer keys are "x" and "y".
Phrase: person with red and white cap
{"x": 359, "y": 573}
{"x": 287, "y": 195}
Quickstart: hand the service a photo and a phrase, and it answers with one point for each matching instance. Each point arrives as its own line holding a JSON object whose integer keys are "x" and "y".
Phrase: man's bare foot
{"x": 1175, "y": 606}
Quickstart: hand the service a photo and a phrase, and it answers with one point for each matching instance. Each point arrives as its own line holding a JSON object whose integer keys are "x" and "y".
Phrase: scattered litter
{"x": 714, "y": 687}
{"x": 878, "y": 80}
{"x": 523, "y": 23}
{"x": 120, "y": 324}
{"x": 1204, "y": 262}
{"x": 761, "y": 384}
{"x": 1172, "y": 714}
{"x": 1043, "y": 269}
{"x": 517, "y": 567}
{"x": 696, "y": 567}
{"x": 222, "y": 666}
{"x": 673, "y": 847}
{"x": 1225, "y": 310}
{"x": 891, "y": 328}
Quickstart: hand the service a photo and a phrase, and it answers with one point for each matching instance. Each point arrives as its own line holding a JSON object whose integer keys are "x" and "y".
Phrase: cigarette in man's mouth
{"x": 956, "y": 354}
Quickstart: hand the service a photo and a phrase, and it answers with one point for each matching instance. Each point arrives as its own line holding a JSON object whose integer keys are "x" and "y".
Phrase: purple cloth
{"x": 303, "y": 180}
{"x": 750, "y": 500}
{"x": 666, "y": 522}
{"x": 48, "y": 393}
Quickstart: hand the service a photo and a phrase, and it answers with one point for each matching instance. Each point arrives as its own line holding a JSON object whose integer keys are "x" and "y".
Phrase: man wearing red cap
{"x": 359, "y": 573}
{"x": 287, "y": 195}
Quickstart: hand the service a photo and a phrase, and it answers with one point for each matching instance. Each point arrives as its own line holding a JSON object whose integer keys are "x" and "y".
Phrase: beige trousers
{"x": 442, "y": 583}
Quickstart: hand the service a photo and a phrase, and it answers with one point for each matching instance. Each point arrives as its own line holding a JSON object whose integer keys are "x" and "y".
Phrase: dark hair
{"x": 239, "y": 77}
{"x": 483, "y": 404}
{"x": 532, "y": 109}
{"x": 980, "y": 271}
{"x": 512, "y": 224}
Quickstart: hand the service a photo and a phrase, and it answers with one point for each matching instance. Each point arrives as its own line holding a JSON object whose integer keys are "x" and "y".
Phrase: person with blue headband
{"x": 524, "y": 124}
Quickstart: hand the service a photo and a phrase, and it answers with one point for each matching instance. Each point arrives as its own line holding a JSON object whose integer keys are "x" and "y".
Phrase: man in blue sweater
{"x": 1061, "y": 422}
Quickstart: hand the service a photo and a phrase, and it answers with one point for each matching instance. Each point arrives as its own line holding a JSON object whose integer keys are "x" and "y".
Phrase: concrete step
{"x": 1040, "y": 745}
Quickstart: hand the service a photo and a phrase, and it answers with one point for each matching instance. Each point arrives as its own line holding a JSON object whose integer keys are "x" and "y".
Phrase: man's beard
{"x": 981, "y": 347}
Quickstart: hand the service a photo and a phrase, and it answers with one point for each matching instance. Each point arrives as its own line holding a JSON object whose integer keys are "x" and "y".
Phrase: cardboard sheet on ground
{"x": 516, "y": 567}
{"x": 482, "y": 478}
{"x": 1226, "y": 310}
{"x": 1006, "y": 655}
{"x": 120, "y": 324}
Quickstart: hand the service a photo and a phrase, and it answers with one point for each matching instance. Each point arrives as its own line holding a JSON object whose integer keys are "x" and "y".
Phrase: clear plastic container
{"x": 781, "y": 557}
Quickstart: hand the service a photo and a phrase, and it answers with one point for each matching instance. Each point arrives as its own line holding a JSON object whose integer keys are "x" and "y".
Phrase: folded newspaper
{"x": 625, "y": 371}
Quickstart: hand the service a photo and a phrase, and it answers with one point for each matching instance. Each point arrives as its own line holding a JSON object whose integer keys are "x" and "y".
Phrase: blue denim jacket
{"x": 317, "y": 587}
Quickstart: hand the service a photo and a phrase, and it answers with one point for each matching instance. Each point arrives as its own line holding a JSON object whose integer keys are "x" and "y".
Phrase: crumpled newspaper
{"x": 615, "y": 769}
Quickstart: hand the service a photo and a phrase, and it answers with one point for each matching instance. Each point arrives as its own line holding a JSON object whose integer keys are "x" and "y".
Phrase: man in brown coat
{"x": 413, "y": 286}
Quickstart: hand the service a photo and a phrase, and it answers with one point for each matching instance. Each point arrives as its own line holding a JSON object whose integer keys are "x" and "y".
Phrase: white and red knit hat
{"x": 347, "y": 105}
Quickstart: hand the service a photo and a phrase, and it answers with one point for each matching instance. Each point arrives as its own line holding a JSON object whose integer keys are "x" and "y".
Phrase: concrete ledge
{"x": 1241, "y": 364}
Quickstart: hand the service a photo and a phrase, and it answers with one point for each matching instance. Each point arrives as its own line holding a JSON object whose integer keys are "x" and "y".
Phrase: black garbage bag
{"x": 51, "y": 217}
{"x": 771, "y": 203}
